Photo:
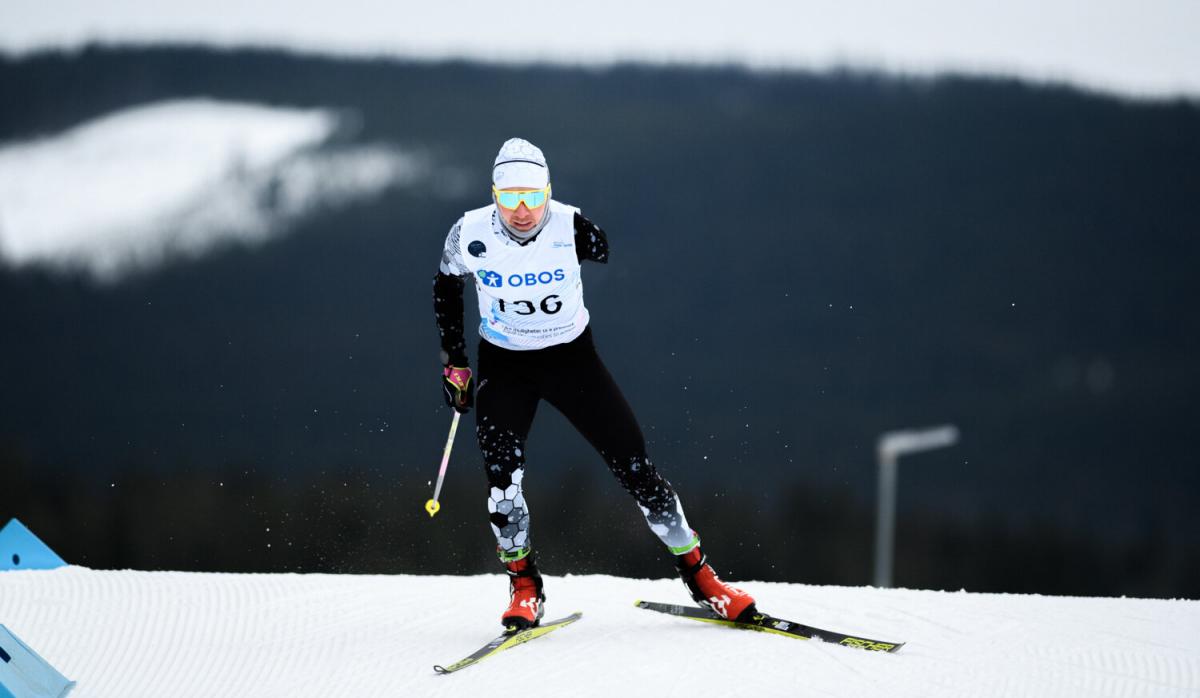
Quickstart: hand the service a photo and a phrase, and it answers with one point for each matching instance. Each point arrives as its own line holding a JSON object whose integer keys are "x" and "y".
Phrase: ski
{"x": 770, "y": 624}
{"x": 506, "y": 641}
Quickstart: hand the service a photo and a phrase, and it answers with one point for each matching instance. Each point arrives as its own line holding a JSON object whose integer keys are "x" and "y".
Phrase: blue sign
{"x": 24, "y": 674}
{"x": 21, "y": 550}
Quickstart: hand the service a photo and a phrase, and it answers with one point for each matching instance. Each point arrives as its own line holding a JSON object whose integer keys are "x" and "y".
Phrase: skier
{"x": 524, "y": 251}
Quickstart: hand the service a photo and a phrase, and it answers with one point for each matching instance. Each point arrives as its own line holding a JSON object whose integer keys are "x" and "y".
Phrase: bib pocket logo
{"x": 490, "y": 278}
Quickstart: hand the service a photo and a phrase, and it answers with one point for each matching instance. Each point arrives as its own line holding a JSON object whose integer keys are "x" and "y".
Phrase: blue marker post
{"x": 23, "y": 673}
{"x": 21, "y": 550}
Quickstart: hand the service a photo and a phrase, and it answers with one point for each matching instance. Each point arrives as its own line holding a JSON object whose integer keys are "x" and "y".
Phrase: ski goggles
{"x": 532, "y": 198}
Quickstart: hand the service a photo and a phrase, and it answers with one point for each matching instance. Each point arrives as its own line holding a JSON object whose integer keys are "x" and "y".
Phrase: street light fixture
{"x": 892, "y": 445}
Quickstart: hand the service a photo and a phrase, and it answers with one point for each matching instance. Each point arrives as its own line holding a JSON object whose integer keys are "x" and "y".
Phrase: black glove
{"x": 458, "y": 389}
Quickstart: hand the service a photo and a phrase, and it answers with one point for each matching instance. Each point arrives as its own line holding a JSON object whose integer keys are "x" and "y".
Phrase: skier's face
{"x": 522, "y": 218}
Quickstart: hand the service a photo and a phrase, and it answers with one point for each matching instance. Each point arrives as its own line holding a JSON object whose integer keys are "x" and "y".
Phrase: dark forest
{"x": 800, "y": 262}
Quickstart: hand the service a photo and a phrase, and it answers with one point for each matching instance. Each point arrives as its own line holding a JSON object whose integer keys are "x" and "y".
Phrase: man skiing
{"x": 524, "y": 251}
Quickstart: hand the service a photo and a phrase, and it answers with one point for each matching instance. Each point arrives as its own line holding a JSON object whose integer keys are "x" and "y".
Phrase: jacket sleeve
{"x": 590, "y": 241}
{"x": 448, "y": 286}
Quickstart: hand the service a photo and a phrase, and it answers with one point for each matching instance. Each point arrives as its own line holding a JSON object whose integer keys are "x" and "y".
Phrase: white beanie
{"x": 520, "y": 164}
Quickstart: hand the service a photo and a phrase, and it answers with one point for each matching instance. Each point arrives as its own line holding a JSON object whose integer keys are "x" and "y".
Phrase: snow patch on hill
{"x": 134, "y": 634}
{"x": 137, "y": 187}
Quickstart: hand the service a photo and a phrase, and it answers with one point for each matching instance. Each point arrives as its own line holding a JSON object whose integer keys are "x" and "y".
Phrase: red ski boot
{"x": 709, "y": 591}
{"x": 525, "y": 595}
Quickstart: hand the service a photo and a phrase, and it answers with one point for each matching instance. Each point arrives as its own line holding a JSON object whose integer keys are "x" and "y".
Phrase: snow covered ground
{"x": 131, "y": 634}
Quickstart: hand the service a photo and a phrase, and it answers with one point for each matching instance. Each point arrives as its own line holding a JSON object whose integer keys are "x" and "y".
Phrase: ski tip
{"x": 440, "y": 669}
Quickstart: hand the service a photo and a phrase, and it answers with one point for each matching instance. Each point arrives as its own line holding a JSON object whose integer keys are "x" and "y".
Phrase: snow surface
{"x": 138, "y": 186}
{"x": 1141, "y": 48}
{"x": 131, "y": 634}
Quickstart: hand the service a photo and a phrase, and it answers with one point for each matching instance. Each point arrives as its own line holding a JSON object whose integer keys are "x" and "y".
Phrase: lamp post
{"x": 892, "y": 445}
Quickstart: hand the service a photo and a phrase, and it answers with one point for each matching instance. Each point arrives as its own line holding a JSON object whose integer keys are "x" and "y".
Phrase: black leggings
{"x": 573, "y": 379}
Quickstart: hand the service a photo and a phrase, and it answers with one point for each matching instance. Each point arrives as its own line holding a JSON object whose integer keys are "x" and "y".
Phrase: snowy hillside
{"x": 170, "y": 634}
{"x": 175, "y": 178}
{"x": 1144, "y": 48}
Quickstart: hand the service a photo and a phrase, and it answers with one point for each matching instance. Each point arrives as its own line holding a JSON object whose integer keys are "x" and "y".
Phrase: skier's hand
{"x": 457, "y": 388}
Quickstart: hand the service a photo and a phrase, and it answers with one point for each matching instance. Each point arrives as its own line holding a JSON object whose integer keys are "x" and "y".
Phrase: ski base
{"x": 507, "y": 641}
{"x": 770, "y": 624}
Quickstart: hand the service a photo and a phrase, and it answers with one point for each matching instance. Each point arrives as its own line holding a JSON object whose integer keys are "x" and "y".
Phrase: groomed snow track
{"x": 129, "y": 634}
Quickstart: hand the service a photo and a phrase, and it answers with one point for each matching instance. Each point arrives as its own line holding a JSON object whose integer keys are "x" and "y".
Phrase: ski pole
{"x": 432, "y": 505}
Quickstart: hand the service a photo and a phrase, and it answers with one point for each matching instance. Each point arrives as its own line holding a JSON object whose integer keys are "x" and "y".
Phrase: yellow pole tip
{"x": 432, "y": 507}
